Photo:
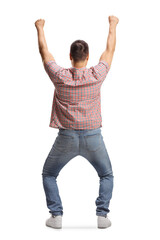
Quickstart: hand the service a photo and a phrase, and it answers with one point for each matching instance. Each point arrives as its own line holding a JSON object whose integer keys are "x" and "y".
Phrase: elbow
{"x": 40, "y": 50}
{"x": 110, "y": 49}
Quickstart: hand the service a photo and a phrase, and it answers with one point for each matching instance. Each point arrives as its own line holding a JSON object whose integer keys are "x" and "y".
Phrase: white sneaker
{"x": 54, "y": 221}
{"x": 103, "y": 222}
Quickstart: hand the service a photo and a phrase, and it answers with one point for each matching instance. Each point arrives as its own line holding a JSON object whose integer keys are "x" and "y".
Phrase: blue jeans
{"x": 68, "y": 144}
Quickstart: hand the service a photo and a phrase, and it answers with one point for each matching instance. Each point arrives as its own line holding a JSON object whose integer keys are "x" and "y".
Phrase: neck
{"x": 79, "y": 64}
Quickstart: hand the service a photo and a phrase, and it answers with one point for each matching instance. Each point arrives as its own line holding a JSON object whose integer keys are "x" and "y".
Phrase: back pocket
{"x": 64, "y": 143}
{"x": 93, "y": 142}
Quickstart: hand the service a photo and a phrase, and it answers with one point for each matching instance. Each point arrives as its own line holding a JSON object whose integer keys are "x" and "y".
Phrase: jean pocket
{"x": 64, "y": 143}
{"x": 93, "y": 142}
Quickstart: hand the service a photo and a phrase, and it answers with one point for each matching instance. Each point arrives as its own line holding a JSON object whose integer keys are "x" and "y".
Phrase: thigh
{"x": 96, "y": 153}
{"x": 60, "y": 154}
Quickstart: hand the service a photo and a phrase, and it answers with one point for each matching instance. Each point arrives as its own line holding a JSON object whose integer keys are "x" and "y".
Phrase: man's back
{"x": 76, "y": 111}
{"x": 77, "y": 99}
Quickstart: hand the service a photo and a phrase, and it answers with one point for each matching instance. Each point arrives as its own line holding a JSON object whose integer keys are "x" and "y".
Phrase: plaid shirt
{"x": 77, "y": 99}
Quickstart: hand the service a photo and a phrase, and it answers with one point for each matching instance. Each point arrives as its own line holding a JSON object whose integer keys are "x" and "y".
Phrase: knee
{"x": 46, "y": 173}
{"x": 108, "y": 175}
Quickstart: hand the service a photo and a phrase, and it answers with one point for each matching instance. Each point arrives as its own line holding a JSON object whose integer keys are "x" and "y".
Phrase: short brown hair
{"x": 79, "y": 50}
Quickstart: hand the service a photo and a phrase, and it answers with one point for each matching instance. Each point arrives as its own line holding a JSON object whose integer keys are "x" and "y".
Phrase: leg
{"x": 96, "y": 153}
{"x": 59, "y": 155}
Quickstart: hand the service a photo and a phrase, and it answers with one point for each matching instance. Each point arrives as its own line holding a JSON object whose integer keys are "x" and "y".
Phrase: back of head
{"x": 79, "y": 50}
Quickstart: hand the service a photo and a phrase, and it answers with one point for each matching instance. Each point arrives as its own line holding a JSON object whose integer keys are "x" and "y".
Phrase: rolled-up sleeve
{"x": 52, "y": 69}
{"x": 100, "y": 70}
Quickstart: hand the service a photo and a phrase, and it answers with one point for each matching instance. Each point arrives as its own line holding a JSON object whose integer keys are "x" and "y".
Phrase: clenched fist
{"x": 113, "y": 20}
{"x": 40, "y": 23}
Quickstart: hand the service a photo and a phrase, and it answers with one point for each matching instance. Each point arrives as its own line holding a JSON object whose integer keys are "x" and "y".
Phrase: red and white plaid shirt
{"x": 77, "y": 99}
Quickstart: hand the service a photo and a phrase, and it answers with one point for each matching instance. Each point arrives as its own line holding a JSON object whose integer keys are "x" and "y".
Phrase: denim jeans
{"x": 68, "y": 144}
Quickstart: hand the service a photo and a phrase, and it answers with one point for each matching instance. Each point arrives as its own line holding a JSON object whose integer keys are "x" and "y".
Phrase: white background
{"x": 130, "y": 114}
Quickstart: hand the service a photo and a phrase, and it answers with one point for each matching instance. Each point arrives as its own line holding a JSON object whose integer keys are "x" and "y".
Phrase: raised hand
{"x": 40, "y": 23}
{"x": 113, "y": 20}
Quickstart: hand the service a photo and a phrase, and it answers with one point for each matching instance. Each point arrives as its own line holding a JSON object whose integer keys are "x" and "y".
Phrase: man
{"x": 76, "y": 112}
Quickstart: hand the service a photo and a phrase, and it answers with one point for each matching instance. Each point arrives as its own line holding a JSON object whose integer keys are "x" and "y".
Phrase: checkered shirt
{"x": 76, "y": 99}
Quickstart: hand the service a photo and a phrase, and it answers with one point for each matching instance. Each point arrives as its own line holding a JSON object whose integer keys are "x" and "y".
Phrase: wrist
{"x": 112, "y": 27}
{"x": 113, "y": 24}
{"x": 39, "y": 28}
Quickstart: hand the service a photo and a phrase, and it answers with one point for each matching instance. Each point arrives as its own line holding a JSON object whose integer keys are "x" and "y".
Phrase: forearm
{"x": 111, "y": 40}
{"x": 41, "y": 39}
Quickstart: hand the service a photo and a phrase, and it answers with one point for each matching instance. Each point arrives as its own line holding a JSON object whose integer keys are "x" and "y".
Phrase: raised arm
{"x": 43, "y": 49}
{"x": 107, "y": 55}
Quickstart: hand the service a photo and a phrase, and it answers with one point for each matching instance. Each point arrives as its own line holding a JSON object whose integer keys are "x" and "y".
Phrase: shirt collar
{"x": 77, "y": 69}
{"x": 77, "y": 72}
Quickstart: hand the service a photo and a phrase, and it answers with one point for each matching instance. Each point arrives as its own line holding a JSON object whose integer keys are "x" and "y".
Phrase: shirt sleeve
{"x": 52, "y": 70}
{"x": 100, "y": 70}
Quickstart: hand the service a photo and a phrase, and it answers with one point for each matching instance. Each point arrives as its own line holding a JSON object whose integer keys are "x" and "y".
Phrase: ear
{"x": 70, "y": 56}
{"x": 88, "y": 57}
